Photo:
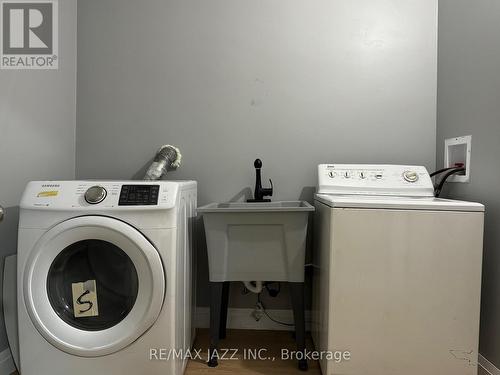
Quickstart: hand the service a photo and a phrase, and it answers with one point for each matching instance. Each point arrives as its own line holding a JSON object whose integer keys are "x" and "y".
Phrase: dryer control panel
{"x": 139, "y": 195}
{"x": 374, "y": 179}
{"x": 120, "y": 195}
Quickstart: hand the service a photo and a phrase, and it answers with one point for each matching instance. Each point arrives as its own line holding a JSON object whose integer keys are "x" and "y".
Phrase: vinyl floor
{"x": 242, "y": 363}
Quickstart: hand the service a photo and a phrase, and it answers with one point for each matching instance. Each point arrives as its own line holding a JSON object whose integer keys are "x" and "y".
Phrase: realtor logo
{"x": 29, "y": 34}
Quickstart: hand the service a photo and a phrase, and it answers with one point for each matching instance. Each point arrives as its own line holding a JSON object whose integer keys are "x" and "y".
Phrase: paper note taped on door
{"x": 85, "y": 299}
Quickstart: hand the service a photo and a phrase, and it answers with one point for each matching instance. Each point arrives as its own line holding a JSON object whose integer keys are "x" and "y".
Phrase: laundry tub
{"x": 256, "y": 241}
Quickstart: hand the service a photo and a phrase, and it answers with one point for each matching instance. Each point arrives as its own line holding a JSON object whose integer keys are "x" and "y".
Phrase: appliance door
{"x": 93, "y": 285}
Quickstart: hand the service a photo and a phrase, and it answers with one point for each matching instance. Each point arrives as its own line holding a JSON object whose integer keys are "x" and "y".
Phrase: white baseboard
{"x": 488, "y": 366}
{"x": 7, "y": 366}
{"x": 242, "y": 319}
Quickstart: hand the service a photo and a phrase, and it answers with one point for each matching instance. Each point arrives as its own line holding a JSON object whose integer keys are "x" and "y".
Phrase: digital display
{"x": 139, "y": 195}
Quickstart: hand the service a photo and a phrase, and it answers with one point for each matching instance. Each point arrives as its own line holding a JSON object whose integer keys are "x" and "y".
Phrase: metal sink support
{"x": 255, "y": 242}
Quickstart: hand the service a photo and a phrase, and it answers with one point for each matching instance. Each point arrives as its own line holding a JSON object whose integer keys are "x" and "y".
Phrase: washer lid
{"x": 401, "y": 203}
{"x": 93, "y": 285}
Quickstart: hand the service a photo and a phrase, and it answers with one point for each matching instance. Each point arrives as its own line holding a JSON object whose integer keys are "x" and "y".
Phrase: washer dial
{"x": 410, "y": 176}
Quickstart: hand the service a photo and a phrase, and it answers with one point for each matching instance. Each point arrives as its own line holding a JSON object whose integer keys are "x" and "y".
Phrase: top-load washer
{"x": 398, "y": 278}
{"x": 104, "y": 277}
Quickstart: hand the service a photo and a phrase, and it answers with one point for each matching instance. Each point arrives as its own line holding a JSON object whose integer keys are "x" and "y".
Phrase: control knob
{"x": 410, "y": 176}
{"x": 95, "y": 194}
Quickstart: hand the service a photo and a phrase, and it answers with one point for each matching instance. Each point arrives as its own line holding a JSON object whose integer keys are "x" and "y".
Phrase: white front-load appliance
{"x": 397, "y": 282}
{"x": 105, "y": 277}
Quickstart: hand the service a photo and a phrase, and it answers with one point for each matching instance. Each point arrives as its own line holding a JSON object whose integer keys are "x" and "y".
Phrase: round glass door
{"x": 93, "y": 285}
{"x": 106, "y": 271}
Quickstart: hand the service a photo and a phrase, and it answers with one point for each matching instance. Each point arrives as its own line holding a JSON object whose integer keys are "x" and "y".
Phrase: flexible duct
{"x": 167, "y": 158}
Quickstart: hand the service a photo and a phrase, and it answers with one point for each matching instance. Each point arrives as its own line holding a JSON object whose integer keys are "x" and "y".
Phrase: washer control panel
{"x": 374, "y": 179}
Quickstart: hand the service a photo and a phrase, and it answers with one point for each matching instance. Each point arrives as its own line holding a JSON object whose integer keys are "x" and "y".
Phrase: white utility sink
{"x": 256, "y": 241}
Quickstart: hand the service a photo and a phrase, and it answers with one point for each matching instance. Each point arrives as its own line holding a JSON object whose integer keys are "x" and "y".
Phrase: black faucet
{"x": 260, "y": 192}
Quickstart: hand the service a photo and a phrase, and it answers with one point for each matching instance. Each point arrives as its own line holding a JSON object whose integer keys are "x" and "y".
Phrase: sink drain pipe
{"x": 257, "y": 288}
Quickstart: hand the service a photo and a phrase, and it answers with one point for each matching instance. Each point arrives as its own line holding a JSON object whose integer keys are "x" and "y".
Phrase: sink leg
{"x": 224, "y": 307}
{"x": 297, "y": 295}
{"x": 215, "y": 321}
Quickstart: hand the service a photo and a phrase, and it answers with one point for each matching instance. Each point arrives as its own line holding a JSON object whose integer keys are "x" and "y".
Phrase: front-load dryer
{"x": 105, "y": 277}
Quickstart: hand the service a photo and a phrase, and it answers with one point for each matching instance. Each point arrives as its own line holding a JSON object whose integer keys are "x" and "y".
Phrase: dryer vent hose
{"x": 167, "y": 158}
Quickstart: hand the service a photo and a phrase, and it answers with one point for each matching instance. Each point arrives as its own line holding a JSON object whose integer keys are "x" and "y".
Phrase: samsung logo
{"x": 51, "y": 185}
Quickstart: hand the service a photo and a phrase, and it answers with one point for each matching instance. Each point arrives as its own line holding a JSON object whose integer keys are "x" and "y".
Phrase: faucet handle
{"x": 268, "y": 191}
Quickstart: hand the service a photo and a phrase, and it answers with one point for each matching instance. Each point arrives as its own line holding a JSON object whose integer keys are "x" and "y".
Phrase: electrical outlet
{"x": 258, "y": 312}
{"x": 458, "y": 151}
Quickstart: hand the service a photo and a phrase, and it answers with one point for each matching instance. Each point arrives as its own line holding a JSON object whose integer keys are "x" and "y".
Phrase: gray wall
{"x": 294, "y": 82}
{"x": 37, "y": 129}
{"x": 469, "y": 103}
